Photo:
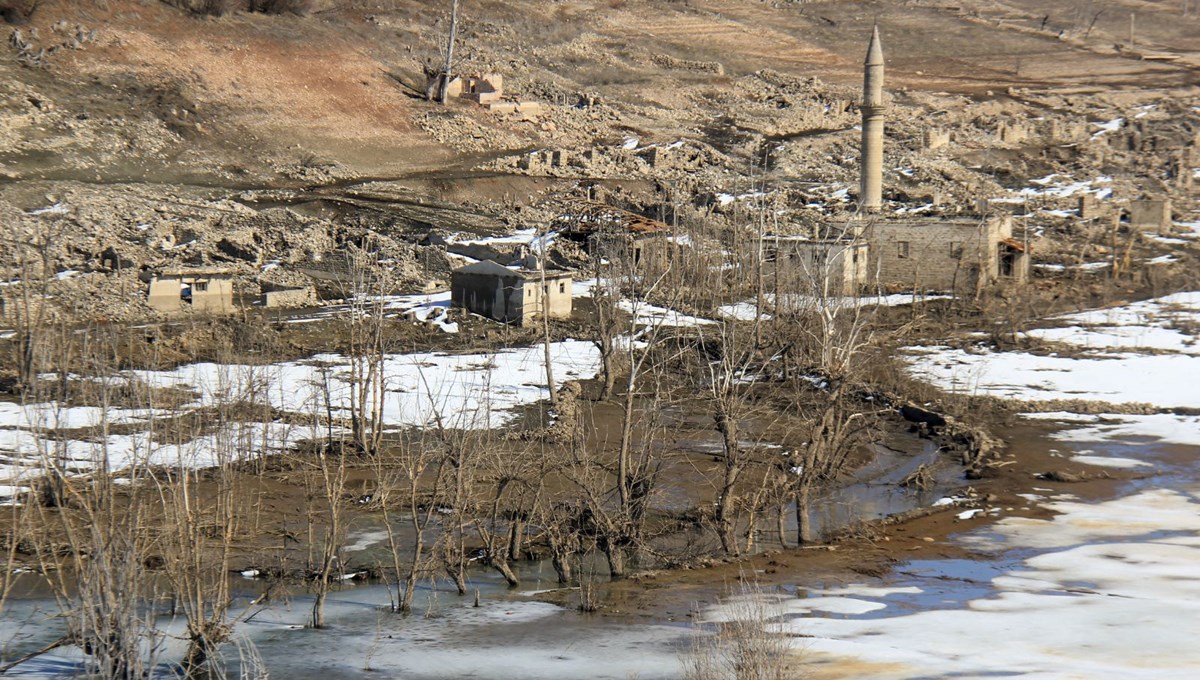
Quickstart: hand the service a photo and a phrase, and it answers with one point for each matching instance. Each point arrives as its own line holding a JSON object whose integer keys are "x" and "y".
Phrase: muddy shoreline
{"x": 872, "y": 549}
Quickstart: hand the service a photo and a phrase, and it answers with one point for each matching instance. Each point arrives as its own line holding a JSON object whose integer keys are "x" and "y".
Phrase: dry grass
{"x": 745, "y": 647}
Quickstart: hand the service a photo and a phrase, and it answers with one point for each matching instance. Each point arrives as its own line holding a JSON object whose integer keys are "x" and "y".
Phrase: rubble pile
{"x": 464, "y": 132}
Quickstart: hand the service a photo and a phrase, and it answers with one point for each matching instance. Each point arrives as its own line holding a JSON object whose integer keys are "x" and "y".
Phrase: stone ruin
{"x": 483, "y": 90}
{"x": 604, "y": 160}
{"x": 1152, "y": 214}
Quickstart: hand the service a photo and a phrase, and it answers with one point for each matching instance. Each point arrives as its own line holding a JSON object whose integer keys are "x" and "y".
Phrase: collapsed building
{"x": 832, "y": 266}
{"x": 613, "y": 234}
{"x": 483, "y": 89}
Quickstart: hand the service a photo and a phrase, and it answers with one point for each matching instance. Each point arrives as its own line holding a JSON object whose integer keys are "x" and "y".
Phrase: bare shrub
{"x": 298, "y": 7}
{"x": 217, "y": 8}
{"x": 743, "y": 646}
{"x": 212, "y": 8}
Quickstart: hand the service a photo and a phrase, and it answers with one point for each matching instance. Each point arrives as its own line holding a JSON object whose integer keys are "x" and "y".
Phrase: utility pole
{"x": 544, "y": 238}
{"x": 446, "y": 68}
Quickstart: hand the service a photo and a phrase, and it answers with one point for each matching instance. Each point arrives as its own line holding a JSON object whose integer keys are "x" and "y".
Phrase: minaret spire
{"x": 870, "y": 195}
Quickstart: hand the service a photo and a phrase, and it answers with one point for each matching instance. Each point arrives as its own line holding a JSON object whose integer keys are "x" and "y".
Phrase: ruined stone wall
{"x": 1151, "y": 214}
{"x": 935, "y": 138}
{"x": 290, "y": 298}
{"x": 805, "y": 265}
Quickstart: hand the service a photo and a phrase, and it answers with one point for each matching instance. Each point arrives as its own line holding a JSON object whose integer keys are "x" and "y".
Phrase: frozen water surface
{"x": 1108, "y": 589}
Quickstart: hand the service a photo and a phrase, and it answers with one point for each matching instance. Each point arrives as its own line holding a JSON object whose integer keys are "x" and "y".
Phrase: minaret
{"x": 870, "y": 190}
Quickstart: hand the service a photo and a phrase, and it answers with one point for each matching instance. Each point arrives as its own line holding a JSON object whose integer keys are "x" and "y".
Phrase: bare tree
{"x": 92, "y": 544}
{"x": 617, "y": 498}
{"x": 325, "y": 480}
{"x": 545, "y": 314}
{"x": 608, "y": 328}
{"x": 725, "y": 382}
{"x": 399, "y": 474}
{"x": 204, "y": 511}
{"x": 830, "y": 332}
{"x": 448, "y": 65}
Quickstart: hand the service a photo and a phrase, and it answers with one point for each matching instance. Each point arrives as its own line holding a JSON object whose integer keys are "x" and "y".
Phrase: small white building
{"x": 511, "y": 295}
{"x": 201, "y": 290}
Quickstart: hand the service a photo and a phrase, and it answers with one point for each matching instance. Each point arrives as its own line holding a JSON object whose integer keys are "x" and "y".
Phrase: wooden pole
{"x": 449, "y": 65}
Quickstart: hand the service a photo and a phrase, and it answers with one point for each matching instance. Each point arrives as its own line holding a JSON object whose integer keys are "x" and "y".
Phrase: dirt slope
{"x": 333, "y": 94}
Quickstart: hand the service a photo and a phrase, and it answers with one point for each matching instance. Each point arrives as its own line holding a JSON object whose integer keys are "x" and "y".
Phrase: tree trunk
{"x": 318, "y": 610}
{"x": 460, "y": 579}
{"x": 725, "y": 517}
{"x": 562, "y": 566}
{"x": 610, "y": 375}
{"x": 624, "y": 453}
{"x": 448, "y": 68}
{"x": 781, "y": 524}
{"x": 546, "y": 329}
{"x": 510, "y": 577}
{"x": 751, "y": 521}
{"x": 616, "y": 559}
{"x": 410, "y": 587}
{"x": 516, "y": 536}
{"x": 410, "y": 580}
{"x": 803, "y": 522}
{"x": 198, "y": 652}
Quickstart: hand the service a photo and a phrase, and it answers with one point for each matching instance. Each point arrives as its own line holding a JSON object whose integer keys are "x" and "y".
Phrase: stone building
{"x": 926, "y": 253}
{"x": 200, "y": 290}
{"x": 950, "y": 253}
{"x": 510, "y": 295}
{"x": 801, "y": 264}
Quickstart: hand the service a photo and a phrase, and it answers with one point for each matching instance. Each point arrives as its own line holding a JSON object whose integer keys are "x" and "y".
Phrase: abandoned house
{"x": 831, "y": 266}
{"x": 200, "y": 290}
{"x": 510, "y": 295}
{"x": 647, "y": 252}
{"x": 950, "y": 253}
